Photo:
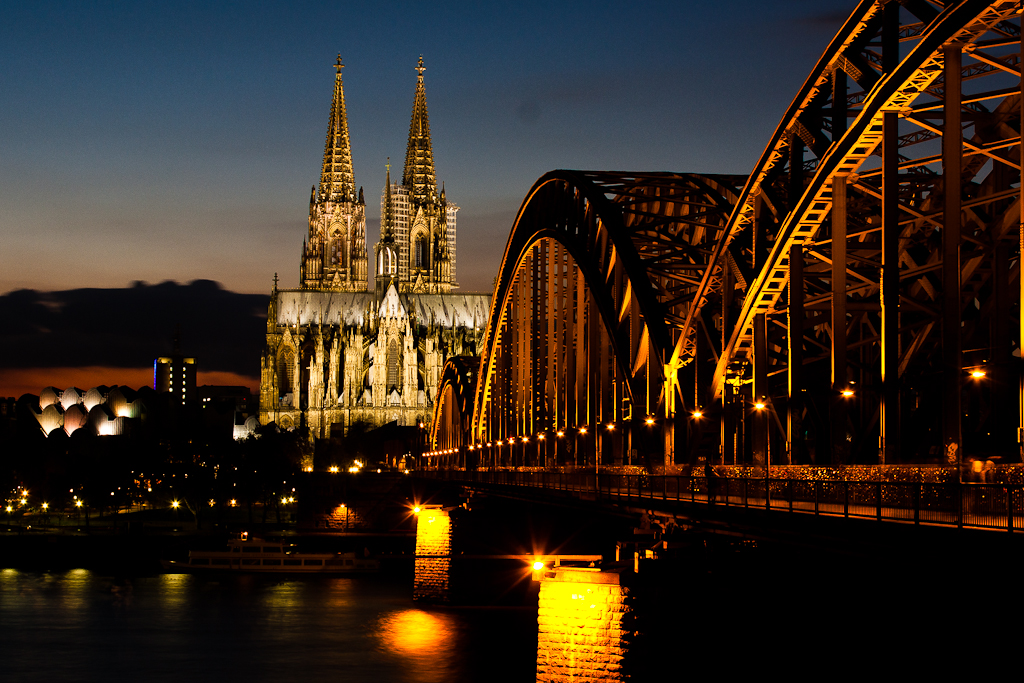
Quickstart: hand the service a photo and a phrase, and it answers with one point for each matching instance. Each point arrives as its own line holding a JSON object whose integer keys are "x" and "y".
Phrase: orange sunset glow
{"x": 18, "y": 381}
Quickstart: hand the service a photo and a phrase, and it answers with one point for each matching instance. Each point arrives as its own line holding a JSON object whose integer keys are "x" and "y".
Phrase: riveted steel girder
{"x": 597, "y": 280}
{"x": 907, "y": 222}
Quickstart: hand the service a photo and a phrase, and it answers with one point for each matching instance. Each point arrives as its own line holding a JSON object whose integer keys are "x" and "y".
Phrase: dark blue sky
{"x": 155, "y": 141}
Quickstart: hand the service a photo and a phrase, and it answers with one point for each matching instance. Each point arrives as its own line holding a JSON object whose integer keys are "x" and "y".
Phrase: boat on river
{"x": 246, "y": 555}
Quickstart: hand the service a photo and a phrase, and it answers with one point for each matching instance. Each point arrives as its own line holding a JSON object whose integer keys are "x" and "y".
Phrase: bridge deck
{"x": 963, "y": 505}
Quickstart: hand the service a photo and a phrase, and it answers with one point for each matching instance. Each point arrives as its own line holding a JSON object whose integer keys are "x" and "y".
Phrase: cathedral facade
{"x": 360, "y": 339}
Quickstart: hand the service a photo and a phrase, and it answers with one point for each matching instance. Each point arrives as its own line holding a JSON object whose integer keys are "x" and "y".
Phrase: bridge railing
{"x": 974, "y": 505}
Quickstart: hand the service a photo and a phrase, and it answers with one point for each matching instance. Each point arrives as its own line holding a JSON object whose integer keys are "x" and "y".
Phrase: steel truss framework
{"x": 840, "y": 294}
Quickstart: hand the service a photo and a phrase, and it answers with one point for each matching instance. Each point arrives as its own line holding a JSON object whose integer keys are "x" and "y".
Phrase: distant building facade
{"x": 340, "y": 349}
{"x": 176, "y": 374}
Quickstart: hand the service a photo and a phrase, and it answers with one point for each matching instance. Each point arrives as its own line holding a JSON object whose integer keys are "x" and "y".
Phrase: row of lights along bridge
{"x": 759, "y": 405}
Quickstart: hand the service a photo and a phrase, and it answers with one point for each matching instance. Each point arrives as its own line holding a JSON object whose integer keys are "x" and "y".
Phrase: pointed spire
{"x": 337, "y": 180}
{"x": 387, "y": 226}
{"x": 419, "y": 176}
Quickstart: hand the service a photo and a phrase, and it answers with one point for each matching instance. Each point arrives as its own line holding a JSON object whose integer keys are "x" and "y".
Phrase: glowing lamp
{"x": 416, "y": 509}
{"x": 333, "y": 469}
{"x": 697, "y": 414}
{"x": 759, "y": 406}
{"x": 46, "y": 505}
{"x": 847, "y": 393}
{"x": 611, "y": 427}
{"x": 649, "y": 420}
{"x": 175, "y": 504}
{"x": 583, "y": 430}
{"x": 977, "y": 374}
{"x": 78, "y": 504}
{"x": 537, "y": 566}
{"x": 561, "y": 433}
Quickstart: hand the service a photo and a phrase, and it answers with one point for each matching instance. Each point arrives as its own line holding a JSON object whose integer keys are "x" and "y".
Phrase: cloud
{"x": 128, "y": 327}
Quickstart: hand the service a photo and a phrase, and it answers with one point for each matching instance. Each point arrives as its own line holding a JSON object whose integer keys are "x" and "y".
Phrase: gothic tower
{"x": 342, "y": 351}
{"x": 423, "y": 220}
{"x": 334, "y": 254}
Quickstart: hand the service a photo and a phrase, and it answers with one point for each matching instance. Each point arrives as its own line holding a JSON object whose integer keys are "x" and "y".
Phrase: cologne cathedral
{"x": 341, "y": 349}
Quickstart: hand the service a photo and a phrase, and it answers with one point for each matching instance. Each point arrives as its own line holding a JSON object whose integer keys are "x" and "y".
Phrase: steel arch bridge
{"x": 801, "y": 314}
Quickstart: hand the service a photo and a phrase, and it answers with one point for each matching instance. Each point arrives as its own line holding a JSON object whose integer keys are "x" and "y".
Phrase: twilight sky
{"x": 152, "y": 141}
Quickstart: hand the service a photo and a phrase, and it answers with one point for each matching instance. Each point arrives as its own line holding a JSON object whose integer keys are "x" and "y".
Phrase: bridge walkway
{"x": 998, "y": 507}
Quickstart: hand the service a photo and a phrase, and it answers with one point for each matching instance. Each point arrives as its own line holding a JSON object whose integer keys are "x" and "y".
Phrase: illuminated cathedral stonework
{"x": 338, "y": 350}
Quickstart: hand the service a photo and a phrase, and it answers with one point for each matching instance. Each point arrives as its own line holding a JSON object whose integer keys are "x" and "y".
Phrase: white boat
{"x": 257, "y": 556}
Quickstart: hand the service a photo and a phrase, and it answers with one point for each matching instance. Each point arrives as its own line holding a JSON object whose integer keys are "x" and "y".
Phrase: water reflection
{"x": 179, "y": 627}
{"x": 425, "y": 638}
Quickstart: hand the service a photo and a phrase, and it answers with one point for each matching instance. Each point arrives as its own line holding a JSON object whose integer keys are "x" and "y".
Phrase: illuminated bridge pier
{"x": 854, "y": 300}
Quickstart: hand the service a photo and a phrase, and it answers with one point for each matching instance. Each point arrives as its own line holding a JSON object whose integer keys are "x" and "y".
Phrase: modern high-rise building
{"x": 175, "y": 374}
{"x": 341, "y": 348}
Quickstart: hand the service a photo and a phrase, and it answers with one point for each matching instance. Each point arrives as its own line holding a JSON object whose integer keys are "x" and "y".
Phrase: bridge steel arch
{"x": 597, "y": 278}
{"x": 865, "y": 279}
{"x": 875, "y": 294}
{"x": 452, "y": 411}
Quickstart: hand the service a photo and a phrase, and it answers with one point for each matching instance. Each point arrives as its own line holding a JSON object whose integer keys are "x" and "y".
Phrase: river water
{"x": 80, "y": 625}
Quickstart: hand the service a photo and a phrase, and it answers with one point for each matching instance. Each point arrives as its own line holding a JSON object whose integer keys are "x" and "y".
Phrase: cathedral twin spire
{"x": 337, "y": 179}
{"x": 417, "y": 223}
{"x": 419, "y": 174}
